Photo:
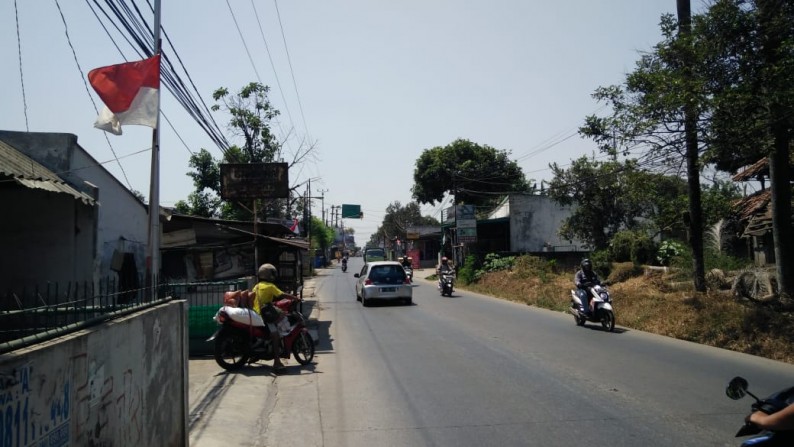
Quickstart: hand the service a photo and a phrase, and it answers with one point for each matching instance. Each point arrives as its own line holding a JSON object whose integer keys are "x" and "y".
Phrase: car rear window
{"x": 387, "y": 274}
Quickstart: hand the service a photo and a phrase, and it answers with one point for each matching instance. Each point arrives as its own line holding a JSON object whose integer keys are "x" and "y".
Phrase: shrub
{"x": 634, "y": 246}
{"x": 468, "y": 273}
{"x": 601, "y": 263}
{"x": 494, "y": 262}
{"x": 668, "y": 251}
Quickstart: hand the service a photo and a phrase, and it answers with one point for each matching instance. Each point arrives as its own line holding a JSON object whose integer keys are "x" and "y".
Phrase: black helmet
{"x": 586, "y": 264}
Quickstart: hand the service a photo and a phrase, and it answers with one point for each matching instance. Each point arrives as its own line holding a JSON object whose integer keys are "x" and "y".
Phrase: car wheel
{"x": 364, "y": 301}
{"x": 409, "y": 302}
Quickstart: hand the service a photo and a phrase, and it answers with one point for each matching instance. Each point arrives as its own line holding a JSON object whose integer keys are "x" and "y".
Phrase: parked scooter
{"x": 600, "y": 308}
{"x": 241, "y": 327}
{"x": 446, "y": 282}
{"x": 773, "y": 403}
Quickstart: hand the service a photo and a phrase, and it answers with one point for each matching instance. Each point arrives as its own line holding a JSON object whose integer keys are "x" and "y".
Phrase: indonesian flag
{"x": 295, "y": 228}
{"x": 130, "y": 94}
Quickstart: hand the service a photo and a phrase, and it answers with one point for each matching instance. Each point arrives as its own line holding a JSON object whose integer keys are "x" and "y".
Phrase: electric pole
{"x": 322, "y": 203}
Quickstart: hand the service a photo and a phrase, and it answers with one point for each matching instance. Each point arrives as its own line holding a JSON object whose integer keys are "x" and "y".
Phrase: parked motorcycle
{"x": 241, "y": 328}
{"x": 446, "y": 283}
{"x": 773, "y": 403}
{"x": 600, "y": 308}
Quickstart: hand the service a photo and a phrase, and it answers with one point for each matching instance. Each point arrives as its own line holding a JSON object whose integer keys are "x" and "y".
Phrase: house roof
{"x": 29, "y": 173}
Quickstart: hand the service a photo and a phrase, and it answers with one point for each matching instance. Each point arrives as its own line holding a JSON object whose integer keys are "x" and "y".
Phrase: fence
{"x": 39, "y": 313}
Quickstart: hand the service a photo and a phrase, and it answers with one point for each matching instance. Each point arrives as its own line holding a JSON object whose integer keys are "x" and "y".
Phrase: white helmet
{"x": 267, "y": 272}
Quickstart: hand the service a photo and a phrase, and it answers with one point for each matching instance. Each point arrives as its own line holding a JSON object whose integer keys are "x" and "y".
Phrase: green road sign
{"x": 351, "y": 211}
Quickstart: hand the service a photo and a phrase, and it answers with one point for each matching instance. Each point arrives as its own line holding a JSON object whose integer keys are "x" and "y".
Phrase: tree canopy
{"x": 398, "y": 220}
{"x": 475, "y": 174}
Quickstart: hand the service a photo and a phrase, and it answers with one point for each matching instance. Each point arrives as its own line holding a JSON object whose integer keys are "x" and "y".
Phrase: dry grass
{"x": 656, "y": 304}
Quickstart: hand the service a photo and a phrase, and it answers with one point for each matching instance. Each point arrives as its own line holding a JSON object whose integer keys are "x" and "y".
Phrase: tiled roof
{"x": 27, "y": 172}
{"x": 753, "y": 171}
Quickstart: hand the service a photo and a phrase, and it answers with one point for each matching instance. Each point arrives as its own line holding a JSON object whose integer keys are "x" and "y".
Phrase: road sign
{"x": 351, "y": 212}
{"x": 254, "y": 181}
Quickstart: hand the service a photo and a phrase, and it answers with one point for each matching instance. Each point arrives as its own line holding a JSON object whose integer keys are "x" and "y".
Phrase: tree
{"x": 474, "y": 174}
{"x": 398, "y": 220}
{"x": 251, "y": 117}
{"x": 321, "y": 235}
{"x": 749, "y": 47}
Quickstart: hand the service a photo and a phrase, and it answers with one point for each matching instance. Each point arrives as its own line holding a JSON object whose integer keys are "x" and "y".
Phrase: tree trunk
{"x": 692, "y": 157}
{"x": 773, "y": 27}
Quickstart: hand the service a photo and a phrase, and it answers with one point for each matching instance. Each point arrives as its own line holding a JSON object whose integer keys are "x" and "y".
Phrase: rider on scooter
{"x": 584, "y": 279}
{"x": 444, "y": 267}
{"x": 265, "y": 294}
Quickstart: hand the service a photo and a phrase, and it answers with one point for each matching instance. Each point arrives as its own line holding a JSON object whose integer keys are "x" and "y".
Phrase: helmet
{"x": 444, "y": 259}
{"x": 586, "y": 264}
{"x": 267, "y": 272}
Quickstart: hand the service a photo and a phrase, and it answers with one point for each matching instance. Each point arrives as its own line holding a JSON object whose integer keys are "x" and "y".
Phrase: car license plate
{"x": 388, "y": 289}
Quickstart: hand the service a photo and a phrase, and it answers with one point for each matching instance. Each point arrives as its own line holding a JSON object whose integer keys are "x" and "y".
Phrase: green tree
{"x": 321, "y": 235}
{"x": 749, "y": 48}
{"x": 475, "y": 174}
{"x": 398, "y": 220}
{"x": 251, "y": 118}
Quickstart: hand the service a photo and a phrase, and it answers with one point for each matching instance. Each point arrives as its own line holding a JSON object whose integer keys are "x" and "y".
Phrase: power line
{"x": 292, "y": 72}
{"x": 21, "y": 77}
{"x": 85, "y": 84}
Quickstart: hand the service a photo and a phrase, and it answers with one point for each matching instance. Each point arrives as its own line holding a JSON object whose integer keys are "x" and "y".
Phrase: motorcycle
{"x": 446, "y": 282}
{"x": 773, "y": 403}
{"x": 600, "y": 308}
{"x": 242, "y": 337}
{"x": 344, "y": 265}
{"x": 409, "y": 272}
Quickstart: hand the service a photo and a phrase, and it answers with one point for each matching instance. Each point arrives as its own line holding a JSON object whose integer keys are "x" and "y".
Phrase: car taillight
{"x": 407, "y": 280}
{"x": 368, "y": 282}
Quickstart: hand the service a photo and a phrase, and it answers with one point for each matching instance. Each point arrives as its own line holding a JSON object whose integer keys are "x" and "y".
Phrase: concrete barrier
{"x": 121, "y": 383}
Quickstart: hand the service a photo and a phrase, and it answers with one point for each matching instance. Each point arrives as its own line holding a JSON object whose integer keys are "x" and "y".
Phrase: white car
{"x": 383, "y": 280}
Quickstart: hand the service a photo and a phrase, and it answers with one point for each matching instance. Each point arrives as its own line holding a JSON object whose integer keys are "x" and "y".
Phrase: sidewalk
{"x": 235, "y": 408}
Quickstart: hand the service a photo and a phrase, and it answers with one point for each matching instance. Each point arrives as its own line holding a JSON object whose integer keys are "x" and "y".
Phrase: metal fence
{"x": 39, "y": 313}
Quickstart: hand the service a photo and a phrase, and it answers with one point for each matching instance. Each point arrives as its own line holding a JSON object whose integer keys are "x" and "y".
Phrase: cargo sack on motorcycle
{"x": 270, "y": 313}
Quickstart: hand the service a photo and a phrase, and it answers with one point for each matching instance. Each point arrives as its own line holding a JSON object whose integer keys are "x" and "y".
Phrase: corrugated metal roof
{"x": 29, "y": 173}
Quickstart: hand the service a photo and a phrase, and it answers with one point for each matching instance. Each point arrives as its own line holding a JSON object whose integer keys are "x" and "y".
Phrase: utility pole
{"x": 322, "y": 203}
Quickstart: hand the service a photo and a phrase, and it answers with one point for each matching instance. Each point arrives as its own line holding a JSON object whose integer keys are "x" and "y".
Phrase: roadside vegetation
{"x": 659, "y": 300}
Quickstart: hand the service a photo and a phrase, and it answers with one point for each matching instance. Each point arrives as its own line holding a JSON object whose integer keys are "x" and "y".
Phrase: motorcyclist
{"x": 584, "y": 279}
{"x": 265, "y": 294}
{"x": 444, "y": 267}
{"x": 406, "y": 261}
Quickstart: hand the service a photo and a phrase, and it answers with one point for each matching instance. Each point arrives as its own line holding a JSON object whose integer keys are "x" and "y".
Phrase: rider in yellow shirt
{"x": 265, "y": 292}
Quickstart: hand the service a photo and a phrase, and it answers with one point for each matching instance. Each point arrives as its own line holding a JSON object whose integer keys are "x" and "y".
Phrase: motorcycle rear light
{"x": 222, "y": 318}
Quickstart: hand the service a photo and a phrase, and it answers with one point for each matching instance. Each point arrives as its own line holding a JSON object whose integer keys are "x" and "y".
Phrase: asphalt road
{"x": 475, "y": 370}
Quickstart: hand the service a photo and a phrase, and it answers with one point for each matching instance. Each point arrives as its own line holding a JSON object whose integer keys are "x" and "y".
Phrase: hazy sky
{"x": 378, "y": 82}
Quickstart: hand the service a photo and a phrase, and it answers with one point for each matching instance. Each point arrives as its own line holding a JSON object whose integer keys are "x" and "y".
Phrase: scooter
{"x": 773, "y": 403}
{"x": 344, "y": 265}
{"x": 600, "y": 308}
{"x": 447, "y": 280}
{"x": 242, "y": 337}
{"x": 409, "y": 272}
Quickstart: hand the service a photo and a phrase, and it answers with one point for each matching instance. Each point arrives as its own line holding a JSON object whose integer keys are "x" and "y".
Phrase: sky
{"x": 371, "y": 83}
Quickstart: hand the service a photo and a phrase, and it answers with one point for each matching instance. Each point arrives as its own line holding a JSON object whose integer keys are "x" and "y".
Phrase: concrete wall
{"x": 534, "y": 222}
{"x": 42, "y": 233}
{"x": 123, "y": 383}
{"x": 122, "y": 220}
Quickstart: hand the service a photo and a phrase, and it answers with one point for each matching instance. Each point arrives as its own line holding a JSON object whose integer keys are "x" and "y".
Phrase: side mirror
{"x": 737, "y": 388}
{"x": 356, "y": 275}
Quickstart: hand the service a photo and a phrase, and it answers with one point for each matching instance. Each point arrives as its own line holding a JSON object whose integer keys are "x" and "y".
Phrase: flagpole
{"x": 154, "y": 181}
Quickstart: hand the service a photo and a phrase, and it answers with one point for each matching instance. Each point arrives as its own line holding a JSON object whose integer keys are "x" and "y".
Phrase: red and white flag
{"x": 130, "y": 94}
{"x": 295, "y": 228}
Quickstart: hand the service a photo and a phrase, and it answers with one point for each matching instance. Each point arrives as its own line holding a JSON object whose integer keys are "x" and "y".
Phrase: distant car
{"x": 374, "y": 254}
{"x": 383, "y": 280}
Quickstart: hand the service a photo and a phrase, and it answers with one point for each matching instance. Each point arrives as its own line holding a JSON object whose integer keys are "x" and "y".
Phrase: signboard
{"x": 254, "y": 181}
{"x": 467, "y": 235}
{"x": 351, "y": 212}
